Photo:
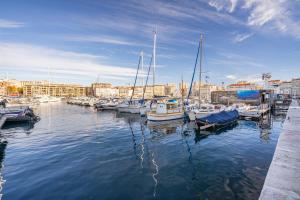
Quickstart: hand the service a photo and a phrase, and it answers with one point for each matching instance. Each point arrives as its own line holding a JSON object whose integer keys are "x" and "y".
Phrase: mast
{"x": 154, "y": 59}
{"x": 200, "y": 71}
{"x": 142, "y": 57}
{"x": 136, "y": 75}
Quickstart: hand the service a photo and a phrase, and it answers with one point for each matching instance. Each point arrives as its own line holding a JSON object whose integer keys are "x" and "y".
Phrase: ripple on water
{"x": 77, "y": 153}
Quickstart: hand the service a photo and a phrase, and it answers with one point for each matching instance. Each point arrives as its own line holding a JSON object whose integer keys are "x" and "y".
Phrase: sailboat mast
{"x": 154, "y": 59}
{"x": 142, "y": 57}
{"x": 200, "y": 71}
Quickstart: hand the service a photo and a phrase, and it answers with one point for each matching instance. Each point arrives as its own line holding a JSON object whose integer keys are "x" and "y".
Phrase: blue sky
{"x": 77, "y": 41}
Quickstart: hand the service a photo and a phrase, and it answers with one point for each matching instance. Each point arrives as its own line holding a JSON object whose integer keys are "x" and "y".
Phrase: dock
{"x": 283, "y": 178}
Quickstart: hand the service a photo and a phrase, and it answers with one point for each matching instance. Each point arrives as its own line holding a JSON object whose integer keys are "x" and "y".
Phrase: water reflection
{"x": 265, "y": 126}
{"x": 27, "y": 126}
{"x": 166, "y": 127}
{"x": 3, "y": 144}
{"x": 142, "y": 146}
{"x": 119, "y": 156}
{"x": 133, "y": 139}
{"x": 202, "y": 134}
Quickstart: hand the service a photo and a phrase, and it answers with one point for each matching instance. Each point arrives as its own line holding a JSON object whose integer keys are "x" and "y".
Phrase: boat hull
{"x": 193, "y": 115}
{"x": 218, "y": 120}
{"x": 164, "y": 117}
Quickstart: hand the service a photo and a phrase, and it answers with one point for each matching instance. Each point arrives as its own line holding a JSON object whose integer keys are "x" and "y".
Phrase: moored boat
{"x": 166, "y": 110}
{"x": 218, "y": 120}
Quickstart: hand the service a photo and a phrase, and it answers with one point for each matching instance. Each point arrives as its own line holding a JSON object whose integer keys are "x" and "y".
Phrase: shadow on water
{"x": 202, "y": 134}
{"x": 23, "y": 125}
{"x": 128, "y": 117}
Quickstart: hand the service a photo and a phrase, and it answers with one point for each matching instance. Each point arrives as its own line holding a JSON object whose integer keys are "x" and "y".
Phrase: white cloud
{"x": 103, "y": 39}
{"x": 231, "y": 77}
{"x": 241, "y": 37}
{"x": 38, "y": 59}
{"x": 265, "y": 15}
{"x": 10, "y": 24}
{"x": 228, "y": 5}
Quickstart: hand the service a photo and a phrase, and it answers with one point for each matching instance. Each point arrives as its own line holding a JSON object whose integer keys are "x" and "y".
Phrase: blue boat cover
{"x": 222, "y": 117}
{"x": 172, "y": 101}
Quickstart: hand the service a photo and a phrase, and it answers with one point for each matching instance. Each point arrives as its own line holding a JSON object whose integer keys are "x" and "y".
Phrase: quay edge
{"x": 283, "y": 178}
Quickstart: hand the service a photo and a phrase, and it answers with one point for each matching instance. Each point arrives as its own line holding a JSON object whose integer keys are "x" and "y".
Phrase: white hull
{"x": 109, "y": 107}
{"x": 164, "y": 117}
{"x": 253, "y": 113}
{"x": 193, "y": 115}
{"x": 130, "y": 109}
{"x": 143, "y": 111}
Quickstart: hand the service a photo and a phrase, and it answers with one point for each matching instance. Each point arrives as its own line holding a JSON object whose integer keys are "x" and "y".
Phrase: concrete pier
{"x": 283, "y": 178}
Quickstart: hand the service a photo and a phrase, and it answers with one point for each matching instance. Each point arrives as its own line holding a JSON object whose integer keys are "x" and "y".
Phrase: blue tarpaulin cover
{"x": 222, "y": 117}
{"x": 248, "y": 94}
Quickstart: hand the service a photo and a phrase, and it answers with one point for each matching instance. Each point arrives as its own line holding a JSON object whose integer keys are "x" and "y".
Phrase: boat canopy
{"x": 221, "y": 117}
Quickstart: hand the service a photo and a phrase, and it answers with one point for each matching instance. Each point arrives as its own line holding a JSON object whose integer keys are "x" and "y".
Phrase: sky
{"x": 83, "y": 41}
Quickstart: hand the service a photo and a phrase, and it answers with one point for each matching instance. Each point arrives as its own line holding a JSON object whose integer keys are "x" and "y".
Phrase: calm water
{"x": 78, "y": 153}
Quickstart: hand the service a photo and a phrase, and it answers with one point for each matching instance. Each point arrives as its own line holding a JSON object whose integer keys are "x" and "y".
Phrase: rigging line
{"x": 147, "y": 76}
{"x": 136, "y": 75}
{"x": 191, "y": 85}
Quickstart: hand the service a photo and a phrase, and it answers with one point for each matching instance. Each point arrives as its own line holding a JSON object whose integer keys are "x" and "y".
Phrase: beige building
{"x": 170, "y": 89}
{"x": 205, "y": 91}
{"x": 296, "y": 87}
{"x": 243, "y": 85}
{"x": 58, "y": 90}
{"x": 124, "y": 91}
{"x": 104, "y": 90}
{"x": 42, "y": 82}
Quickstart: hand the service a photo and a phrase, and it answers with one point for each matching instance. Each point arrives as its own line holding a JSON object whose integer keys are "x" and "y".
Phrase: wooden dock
{"x": 283, "y": 178}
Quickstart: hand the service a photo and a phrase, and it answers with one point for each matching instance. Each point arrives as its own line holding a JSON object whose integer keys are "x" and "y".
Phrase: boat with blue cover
{"x": 218, "y": 120}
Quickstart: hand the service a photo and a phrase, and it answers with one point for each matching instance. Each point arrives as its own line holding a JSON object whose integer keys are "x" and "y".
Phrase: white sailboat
{"x": 199, "y": 110}
{"x": 166, "y": 109}
{"x": 132, "y": 106}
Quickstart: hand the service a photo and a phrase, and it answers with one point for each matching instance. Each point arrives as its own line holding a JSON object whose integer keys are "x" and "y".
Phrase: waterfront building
{"x": 205, "y": 91}
{"x": 3, "y": 89}
{"x": 124, "y": 91}
{"x": 104, "y": 90}
{"x": 58, "y": 90}
{"x": 170, "y": 89}
{"x": 285, "y": 88}
{"x": 243, "y": 85}
{"x": 42, "y": 82}
{"x": 183, "y": 88}
{"x": 296, "y": 87}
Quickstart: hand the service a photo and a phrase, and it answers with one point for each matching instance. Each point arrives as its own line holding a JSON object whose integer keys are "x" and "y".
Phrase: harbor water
{"x": 76, "y": 152}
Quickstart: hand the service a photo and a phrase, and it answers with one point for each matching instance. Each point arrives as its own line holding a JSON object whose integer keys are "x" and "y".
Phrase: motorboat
{"x": 111, "y": 104}
{"x": 132, "y": 106}
{"x": 166, "y": 110}
{"x": 218, "y": 120}
{"x": 254, "y": 112}
{"x": 194, "y": 111}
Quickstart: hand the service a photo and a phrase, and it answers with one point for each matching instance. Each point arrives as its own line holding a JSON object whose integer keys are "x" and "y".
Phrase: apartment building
{"x": 58, "y": 90}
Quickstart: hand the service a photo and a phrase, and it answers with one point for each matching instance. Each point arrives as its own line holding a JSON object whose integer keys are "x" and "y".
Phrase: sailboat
{"x": 132, "y": 106}
{"x": 166, "y": 109}
{"x": 199, "y": 110}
